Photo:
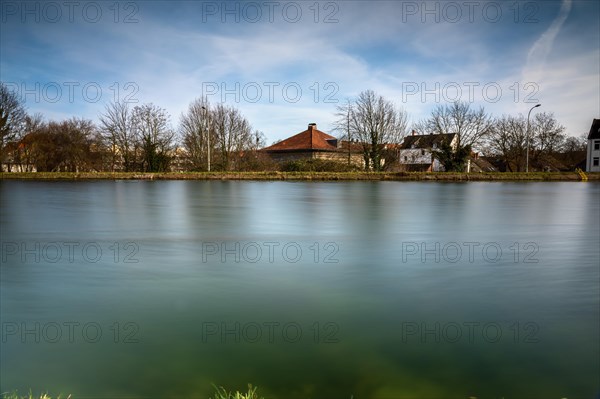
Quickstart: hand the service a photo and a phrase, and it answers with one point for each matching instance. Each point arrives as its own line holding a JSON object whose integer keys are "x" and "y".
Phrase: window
{"x": 596, "y": 161}
{"x": 405, "y": 158}
{"x": 422, "y": 152}
{"x": 596, "y": 145}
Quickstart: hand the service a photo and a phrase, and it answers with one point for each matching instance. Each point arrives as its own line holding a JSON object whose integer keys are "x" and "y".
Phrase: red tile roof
{"x": 311, "y": 139}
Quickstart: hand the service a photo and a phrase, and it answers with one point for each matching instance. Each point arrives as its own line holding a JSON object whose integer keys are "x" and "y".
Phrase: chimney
{"x": 312, "y": 126}
{"x": 414, "y": 132}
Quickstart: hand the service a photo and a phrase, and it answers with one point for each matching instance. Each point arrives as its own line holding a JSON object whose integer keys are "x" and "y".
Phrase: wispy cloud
{"x": 538, "y": 54}
{"x": 172, "y": 53}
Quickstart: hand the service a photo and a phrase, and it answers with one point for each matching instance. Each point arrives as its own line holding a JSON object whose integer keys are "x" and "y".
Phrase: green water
{"x": 306, "y": 290}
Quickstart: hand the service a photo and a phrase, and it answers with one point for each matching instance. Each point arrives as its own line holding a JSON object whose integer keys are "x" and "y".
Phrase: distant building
{"x": 593, "y": 148}
{"x": 416, "y": 151}
{"x": 312, "y": 144}
{"x": 17, "y": 156}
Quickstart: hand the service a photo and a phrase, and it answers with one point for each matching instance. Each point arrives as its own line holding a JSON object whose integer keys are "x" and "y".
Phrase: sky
{"x": 286, "y": 64}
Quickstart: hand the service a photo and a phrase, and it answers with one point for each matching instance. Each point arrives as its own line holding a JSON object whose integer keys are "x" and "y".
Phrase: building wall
{"x": 282, "y": 157}
{"x": 414, "y": 156}
{"x": 17, "y": 167}
{"x": 592, "y": 155}
{"x": 355, "y": 159}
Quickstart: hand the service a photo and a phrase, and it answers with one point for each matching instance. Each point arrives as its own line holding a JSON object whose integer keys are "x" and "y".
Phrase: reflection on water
{"x": 304, "y": 289}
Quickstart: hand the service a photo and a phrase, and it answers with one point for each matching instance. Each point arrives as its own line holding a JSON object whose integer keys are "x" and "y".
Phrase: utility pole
{"x": 207, "y": 135}
{"x": 348, "y": 130}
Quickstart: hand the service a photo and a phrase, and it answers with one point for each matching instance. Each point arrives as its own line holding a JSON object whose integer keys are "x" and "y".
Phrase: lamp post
{"x": 207, "y": 137}
{"x": 527, "y": 155}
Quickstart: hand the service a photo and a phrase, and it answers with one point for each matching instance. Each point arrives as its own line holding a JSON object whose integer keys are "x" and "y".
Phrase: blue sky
{"x": 285, "y": 64}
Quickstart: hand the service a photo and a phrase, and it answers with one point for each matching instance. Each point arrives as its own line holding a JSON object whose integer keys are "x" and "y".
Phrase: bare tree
{"x": 69, "y": 146}
{"x": 23, "y": 154}
{"x": 471, "y": 126}
{"x": 232, "y": 133}
{"x": 116, "y": 124}
{"x": 194, "y": 129}
{"x": 546, "y": 134}
{"x": 572, "y": 144}
{"x": 156, "y": 138}
{"x": 12, "y": 118}
{"x": 373, "y": 122}
{"x": 508, "y": 141}
{"x": 33, "y": 122}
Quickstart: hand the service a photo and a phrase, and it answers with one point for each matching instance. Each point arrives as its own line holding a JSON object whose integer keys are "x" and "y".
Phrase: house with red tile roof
{"x": 312, "y": 144}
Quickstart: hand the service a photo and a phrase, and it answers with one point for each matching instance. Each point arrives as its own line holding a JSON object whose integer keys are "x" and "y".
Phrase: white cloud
{"x": 538, "y": 54}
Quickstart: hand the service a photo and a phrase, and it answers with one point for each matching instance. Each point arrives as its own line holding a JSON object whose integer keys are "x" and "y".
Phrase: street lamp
{"x": 207, "y": 137}
{"x": 527, "y": 156}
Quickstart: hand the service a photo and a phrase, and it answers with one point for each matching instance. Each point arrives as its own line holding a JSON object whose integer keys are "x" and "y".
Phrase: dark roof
{"x": 311, "y": 139}
{"x": 426, "y": 140}
{"x": 483, "y": 164}
{"x": 595, "y": 130}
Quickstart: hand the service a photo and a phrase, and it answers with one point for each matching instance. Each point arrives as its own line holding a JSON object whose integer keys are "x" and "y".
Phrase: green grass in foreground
{"x": 15, "y": 395}
{"x": 221, "y": 393}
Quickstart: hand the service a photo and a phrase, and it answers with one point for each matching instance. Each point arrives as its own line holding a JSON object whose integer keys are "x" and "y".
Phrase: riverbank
{"x": 318, "y": 176}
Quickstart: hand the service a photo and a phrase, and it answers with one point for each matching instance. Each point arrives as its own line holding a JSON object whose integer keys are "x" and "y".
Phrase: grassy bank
{"x": 15, "y": 395}
{"x": 319, "y": 176}
{"x": 221, "y": 393}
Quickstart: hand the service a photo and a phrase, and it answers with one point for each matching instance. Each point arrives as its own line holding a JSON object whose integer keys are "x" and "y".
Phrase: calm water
{"x": 306, "y": 290}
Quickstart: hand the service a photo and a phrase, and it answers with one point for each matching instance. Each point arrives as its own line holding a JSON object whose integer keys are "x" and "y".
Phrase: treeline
{"x": 219, "y": 138}
{"x": 129, "y": 138}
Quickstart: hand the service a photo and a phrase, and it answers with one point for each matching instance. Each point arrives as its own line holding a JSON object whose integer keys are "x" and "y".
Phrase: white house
{"x": 593, "y": 148}
{"x": 416, "y": 151}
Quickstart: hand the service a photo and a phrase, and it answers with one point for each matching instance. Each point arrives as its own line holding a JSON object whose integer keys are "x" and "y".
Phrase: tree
{"x": 508, "y": 140}
{"x": 69, "y": 146}
{"x": 373, "y": 122}
{"x": 156, "y": 138}
{"x": 223, "y": 130}
{"x": 232, "y": 133}
{"x": 572, "y": 144}
{"x": 23, "y": 154}
{"x": 546, "y": 135}
{"x": 470, "y": 126}
{"x": 453, "y": 159}
{"x": 574, "y": 151}
{"x": 12, "y": 118}
{"x": 116, "y": 124}
{"x": 194, "y": 129}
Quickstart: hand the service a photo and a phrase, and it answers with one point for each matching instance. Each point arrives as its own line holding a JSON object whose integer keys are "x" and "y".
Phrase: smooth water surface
{"x": 304, "y": 289}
